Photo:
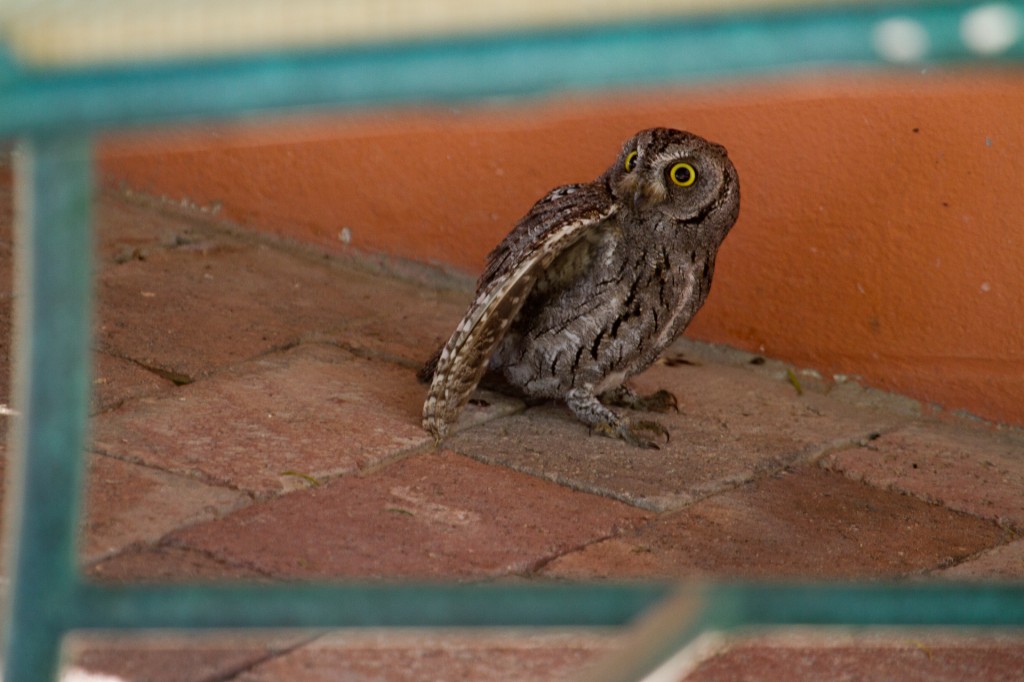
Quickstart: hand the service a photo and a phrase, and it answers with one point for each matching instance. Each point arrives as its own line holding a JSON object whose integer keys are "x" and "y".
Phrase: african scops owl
{"x": 592, "y": 284}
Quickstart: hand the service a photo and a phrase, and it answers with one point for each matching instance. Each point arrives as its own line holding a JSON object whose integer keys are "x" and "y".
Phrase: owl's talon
{"x": 649, "y": 426}
{"x": 632, "y": 432}
{"x": 659, "y": 401}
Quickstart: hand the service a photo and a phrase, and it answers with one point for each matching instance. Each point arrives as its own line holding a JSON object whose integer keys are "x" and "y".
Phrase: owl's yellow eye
{"x": 683, "y": 174}
{"x": 630, "y": 161}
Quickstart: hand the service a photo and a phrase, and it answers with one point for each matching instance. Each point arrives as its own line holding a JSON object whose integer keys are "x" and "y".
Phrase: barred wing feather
{"x": 554, "y": 223}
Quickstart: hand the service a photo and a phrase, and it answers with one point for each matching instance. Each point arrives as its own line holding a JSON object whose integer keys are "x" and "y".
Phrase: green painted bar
{"x": 52, "y": 369}
{"x": 549, "y": 605}
{"x": 694, "y": 610}
{"x": 919, "y": 604}
{"x": 378, "y": 605}
{"x": 443, "y": 71}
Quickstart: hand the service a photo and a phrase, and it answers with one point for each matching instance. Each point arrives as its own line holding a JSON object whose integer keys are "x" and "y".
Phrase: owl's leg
{"x": 589, "y": 410}
{"x": 624, "y": 396}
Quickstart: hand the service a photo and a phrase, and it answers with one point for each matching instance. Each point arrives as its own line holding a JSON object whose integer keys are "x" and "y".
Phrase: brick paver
{"x": 128, "y": 504}
{"x": 1002, "y": 563}
{"x": 912, "y": 656}
{"x": 163, "y": 658}
{"x": 267, "y": 425}
{"x": 428, "y": 516}
{"x": 978, "y": 470}
{"x": 314, "y": 410}
{"x": 439, "y": 658}
{"x": 167, "y": 562}
{"x": 733, "y": 423}
{"x": 257, "y": 417}
{"x": 185, "y": 297}
{"x": 805, "y": 523}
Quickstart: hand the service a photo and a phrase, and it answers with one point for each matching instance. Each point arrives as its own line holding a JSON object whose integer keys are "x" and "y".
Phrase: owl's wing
{"x": 553, "y": 224}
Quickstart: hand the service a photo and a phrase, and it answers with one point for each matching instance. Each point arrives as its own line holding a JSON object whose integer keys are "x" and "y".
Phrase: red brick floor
{"x": 256, "y": 416}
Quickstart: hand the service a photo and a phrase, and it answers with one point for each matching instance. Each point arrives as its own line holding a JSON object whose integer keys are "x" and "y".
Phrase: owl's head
{"x": 679, "y": 175}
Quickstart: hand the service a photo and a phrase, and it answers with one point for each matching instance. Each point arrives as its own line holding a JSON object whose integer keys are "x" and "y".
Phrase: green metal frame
{"x": 56, "y": 113}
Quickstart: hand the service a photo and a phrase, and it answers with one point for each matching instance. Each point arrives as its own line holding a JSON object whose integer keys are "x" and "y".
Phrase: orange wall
{"x": 881, "y": 231}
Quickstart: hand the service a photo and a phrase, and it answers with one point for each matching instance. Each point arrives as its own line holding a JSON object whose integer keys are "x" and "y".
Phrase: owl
{"x": 592, "y": 284}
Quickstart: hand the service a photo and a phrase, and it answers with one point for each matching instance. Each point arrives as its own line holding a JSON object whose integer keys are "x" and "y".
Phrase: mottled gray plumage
{"x": 593, "y": 284}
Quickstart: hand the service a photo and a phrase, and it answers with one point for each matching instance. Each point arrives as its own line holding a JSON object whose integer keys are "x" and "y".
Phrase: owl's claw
{"x": 633, "y": 432}
{"x": 659, "y": 401}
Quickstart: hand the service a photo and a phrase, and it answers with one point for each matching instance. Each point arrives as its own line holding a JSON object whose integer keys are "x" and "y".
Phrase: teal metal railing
{"x": 55, "y": 110}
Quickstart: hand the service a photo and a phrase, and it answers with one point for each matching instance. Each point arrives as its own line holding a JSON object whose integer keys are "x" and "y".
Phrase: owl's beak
{"x": 635, "y": 190}
{"x": 638, "y": 196}
{"x": 645, "y": 194}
